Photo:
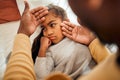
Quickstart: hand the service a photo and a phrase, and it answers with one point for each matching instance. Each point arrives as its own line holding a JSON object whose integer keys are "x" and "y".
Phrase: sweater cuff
{"x": 93, "y": 48}
{"x": 98, "y": 51}
{"x": 22, "y": 36}
{"x": 40, "y": 59}
{"x": 94, "y": 42}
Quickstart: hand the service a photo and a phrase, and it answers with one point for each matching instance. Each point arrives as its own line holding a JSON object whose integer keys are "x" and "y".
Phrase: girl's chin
{"x": 55, "y": 42}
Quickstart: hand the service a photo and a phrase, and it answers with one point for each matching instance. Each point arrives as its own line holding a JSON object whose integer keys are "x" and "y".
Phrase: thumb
{"x": 27, "y": 7}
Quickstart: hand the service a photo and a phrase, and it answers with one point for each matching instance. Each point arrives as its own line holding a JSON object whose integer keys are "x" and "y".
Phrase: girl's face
{"x": 52, "y": 28}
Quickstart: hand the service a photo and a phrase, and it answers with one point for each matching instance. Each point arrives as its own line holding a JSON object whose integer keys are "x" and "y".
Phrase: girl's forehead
{"x": 52, "y": 13}
{"x": 51, "y": 16}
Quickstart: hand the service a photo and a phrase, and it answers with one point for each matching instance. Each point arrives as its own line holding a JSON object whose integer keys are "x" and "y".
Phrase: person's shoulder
{"x": 82, "y": 49}
{"x": 80, "y": 45}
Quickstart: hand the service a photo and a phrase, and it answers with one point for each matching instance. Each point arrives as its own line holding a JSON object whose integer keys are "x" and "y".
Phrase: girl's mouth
{"x": 52, "y": 38}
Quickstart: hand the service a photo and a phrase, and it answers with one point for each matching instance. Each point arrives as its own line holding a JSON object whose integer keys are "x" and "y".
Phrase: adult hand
{"x": 30, "y": 21}
{"x": 44, "y": 44}
{"x": 77, "y": 33}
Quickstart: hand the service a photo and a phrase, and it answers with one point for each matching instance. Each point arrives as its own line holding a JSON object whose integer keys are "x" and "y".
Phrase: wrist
{"x": 20, "y": 30}
{"x": 23, "y": 33}
{"x": 42, "y": 53}
{"x": 92, "y": 37}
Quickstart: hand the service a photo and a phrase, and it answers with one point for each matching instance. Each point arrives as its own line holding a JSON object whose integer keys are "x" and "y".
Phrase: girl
{"x": 52, "y": 51}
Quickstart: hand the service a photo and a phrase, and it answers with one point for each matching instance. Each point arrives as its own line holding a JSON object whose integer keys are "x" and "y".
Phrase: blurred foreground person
{"x": 102, "y": 17}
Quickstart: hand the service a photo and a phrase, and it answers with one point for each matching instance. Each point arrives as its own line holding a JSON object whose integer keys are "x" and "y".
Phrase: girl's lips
{"x": 52, "y": 37}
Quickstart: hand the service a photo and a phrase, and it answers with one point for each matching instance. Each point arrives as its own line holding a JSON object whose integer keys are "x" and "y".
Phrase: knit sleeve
{"x": 82, "y": 60}
{"x": 78, "y": 61}
{"x": 98, "y": 51}
{"x": 43, "y": 66}
{"x": 20, "y": 65}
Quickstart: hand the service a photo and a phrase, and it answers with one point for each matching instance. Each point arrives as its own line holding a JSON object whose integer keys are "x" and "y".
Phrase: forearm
{"x": 20, "y": 62}
{"x": 98, "y": 51}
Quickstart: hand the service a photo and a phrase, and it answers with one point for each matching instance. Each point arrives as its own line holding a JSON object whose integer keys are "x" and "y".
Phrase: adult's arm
{"x": 98, "y": 51}
{"x": 83, "y": 35}
{"x": 20, "y": 65}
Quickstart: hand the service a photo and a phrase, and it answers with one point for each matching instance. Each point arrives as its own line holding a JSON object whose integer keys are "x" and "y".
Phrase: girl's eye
{"x": 52, "y": 24}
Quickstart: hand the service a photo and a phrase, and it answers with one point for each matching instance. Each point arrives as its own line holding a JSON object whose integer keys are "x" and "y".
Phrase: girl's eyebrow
{"x": 50, "y": 22}
{"x": 42, "y": 26}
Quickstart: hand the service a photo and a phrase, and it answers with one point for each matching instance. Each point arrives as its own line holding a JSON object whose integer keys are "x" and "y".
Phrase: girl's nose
{"x": 49, "y": 32}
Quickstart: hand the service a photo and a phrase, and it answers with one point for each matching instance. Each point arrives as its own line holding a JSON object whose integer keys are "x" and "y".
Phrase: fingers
{"x": 39, "y": 13}
{"x": 46, "y": 41}
{"x": 67, "y": 35}
{"x": 41, "y": 20}
{"x": 69, "y": 24}
{"x": 38, "y": 9}
{"x": 65, "y": 29}
{"x": 27, "y": 7}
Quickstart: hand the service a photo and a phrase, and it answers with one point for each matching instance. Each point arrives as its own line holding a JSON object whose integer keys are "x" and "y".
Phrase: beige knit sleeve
{"x": 20, "y": 65}
{"x": 98, "y": 51}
